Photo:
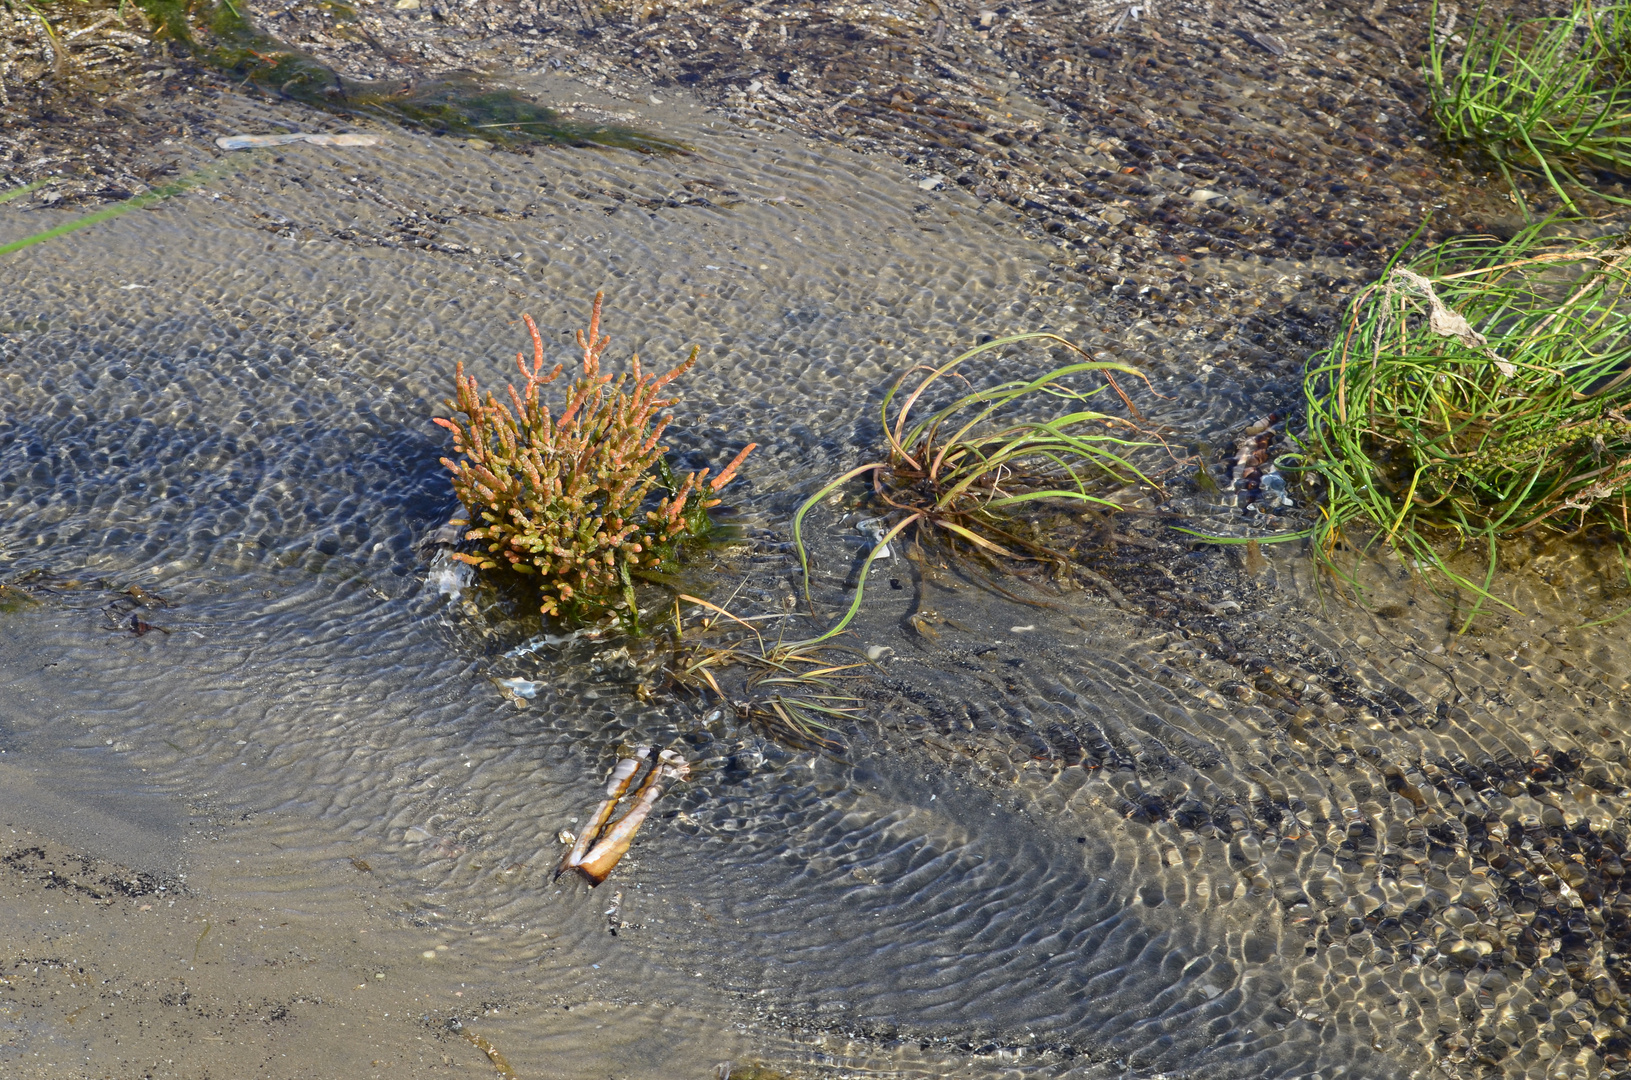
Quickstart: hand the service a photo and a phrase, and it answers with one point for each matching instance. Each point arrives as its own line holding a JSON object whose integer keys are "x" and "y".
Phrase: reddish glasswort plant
{"x": 562, "y": 497}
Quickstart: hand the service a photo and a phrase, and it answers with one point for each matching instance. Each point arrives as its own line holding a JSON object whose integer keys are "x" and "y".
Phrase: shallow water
{"x": 1093, "y": 839}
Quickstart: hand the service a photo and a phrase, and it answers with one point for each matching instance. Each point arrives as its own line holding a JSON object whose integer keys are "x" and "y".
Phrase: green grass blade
{"x": 118, "y": 209}
{"x": 860, "y": 586}
{"x": 798, "y": 520}
{"x": 18, "y": 192}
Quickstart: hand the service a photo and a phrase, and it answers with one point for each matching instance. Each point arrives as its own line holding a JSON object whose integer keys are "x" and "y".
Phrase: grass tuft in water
{"x": 1481, "y": 391}
{"x": 957, "y": 473}
{"x": 562, "y": 497}
{"x": 1548, "y": 96}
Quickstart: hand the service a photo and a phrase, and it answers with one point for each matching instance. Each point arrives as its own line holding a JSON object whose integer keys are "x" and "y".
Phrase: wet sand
{"x": 1198, "y": 816}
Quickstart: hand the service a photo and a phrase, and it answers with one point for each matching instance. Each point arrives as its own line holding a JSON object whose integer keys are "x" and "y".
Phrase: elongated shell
{"x": 616, "y": 786}
{"x": 605, "y": 855}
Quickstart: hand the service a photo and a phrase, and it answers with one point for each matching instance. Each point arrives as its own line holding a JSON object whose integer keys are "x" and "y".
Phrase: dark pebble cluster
{"x": 1251, "y": 479}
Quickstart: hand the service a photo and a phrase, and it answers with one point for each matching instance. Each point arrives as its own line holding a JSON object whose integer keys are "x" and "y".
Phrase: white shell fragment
{"x": 315, "y": 138}
{"x": 521, "y": 687}
{"x": 874, "y": 529}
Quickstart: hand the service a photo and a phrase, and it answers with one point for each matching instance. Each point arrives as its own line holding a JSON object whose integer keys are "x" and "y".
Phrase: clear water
{"x": 1090, "y": 839}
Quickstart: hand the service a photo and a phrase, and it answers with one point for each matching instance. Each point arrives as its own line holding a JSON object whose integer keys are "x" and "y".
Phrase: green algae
{"x": 221, "y": 36}
{"x": 147, "y": 198}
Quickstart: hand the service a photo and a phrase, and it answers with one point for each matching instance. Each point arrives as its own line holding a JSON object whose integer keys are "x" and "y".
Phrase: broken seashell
{"x": 615, "y": 843}
{"x": 525, "y": 688}
{"x": 253, "y": 142}
{"x": 599, "y": 847}
{"x": 622, "y": 774}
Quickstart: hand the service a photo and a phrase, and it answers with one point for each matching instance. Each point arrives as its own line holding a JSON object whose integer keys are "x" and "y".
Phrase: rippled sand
{"x": 1192, "y": 821}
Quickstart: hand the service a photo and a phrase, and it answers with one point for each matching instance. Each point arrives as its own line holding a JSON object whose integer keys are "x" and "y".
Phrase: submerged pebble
{"x": 521, "y": 687}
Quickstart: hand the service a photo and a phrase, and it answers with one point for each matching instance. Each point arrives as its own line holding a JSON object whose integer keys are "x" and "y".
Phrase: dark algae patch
{"x": 460, "y": 105}
{"x": 223, "y": 37}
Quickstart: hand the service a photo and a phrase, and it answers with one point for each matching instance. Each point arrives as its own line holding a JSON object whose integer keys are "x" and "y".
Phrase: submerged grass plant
{"x": 793, "y": 690}
{"x": 958, "y": 472}
{"x": 562, "y": 497}
{"x": 1550, "y": 96}
{"x": 212, "y": 171}
{"x": 1482, "y": 391}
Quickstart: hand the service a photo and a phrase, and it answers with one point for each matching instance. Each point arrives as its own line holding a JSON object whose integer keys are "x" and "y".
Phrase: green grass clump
{"x": 1479, "y": 392}
{"x": 957, "y": 473}
{"x": 1548, "y": 96}
{"x": 562, "y": 497}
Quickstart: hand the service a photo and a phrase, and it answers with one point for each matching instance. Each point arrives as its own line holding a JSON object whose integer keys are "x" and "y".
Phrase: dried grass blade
{"x": 716, "y": 608}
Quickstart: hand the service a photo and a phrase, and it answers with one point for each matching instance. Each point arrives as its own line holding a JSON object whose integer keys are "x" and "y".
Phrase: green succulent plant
{"x": 564, "y": 497}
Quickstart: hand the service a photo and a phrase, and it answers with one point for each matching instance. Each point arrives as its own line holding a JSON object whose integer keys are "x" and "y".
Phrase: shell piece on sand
{"x": 616, "y": 785}
{"x": 596, "y": 851}
{"x": 615, "y": 842}
{"x": 252, "y": 142}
